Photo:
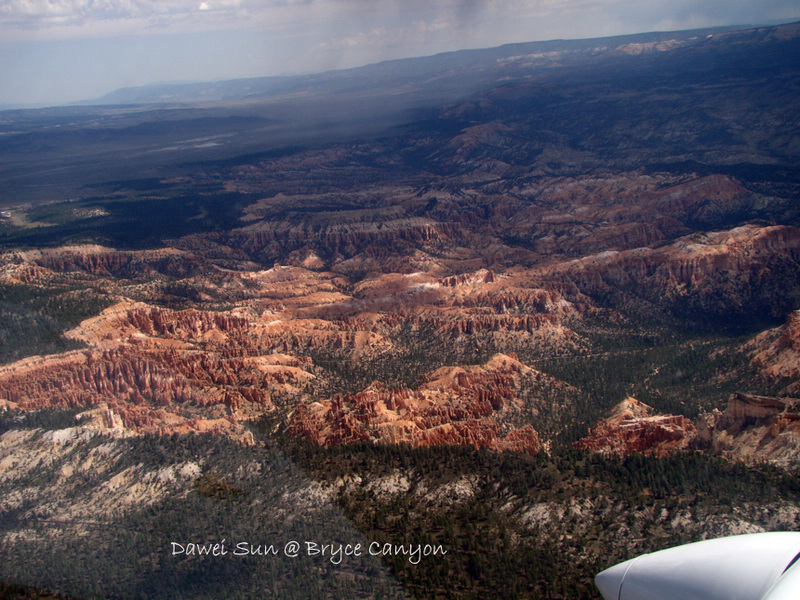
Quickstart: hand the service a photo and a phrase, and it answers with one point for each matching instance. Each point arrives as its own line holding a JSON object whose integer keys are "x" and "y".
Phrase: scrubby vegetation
{"x": 246, "y": 499}
{"x": 512, "y": 526}
{"x": 539, "y": 527}
{"x": 33, "y": 318}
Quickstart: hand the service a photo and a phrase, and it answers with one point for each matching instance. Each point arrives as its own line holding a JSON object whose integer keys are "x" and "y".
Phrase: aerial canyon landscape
{"x": 498, "y": 318}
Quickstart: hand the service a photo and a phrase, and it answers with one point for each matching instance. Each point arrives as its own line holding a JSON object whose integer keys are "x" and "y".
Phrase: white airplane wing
{"x": 760, "y": 566}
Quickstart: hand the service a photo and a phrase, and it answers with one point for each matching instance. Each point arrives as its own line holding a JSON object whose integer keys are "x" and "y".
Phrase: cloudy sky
{"x": 55, "y": 51}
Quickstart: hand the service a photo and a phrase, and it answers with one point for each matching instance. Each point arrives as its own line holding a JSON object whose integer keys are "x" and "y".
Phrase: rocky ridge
{"x": 454, "y": 405}
{"x": 751, "y": 429}
{"x": 776, "y": 352}
{"x": 754, "y": 428}
{"x": 632, "y": 427}
{"x": 165, "y": 370}
{"x": 732, "y": 272}
{"x": 162, "y": 370}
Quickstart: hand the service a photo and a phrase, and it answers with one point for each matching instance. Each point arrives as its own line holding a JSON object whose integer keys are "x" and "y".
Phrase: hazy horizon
{"x": 62, "y": 51}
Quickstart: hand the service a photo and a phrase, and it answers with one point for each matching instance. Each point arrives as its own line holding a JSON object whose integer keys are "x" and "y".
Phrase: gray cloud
{"x": 45, "y": 14}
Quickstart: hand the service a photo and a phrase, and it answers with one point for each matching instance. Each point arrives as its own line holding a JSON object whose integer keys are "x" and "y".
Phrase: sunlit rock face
{"x": 455, "y": 405}
{"x": 632, "y": 427}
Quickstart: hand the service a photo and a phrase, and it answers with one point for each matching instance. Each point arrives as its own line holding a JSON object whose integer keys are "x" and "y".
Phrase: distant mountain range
{"x": 581, "y": 94}
{"x": 455, "y": 72}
